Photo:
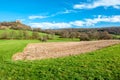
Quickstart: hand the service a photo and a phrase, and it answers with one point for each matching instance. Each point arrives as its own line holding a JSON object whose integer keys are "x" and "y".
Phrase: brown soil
{"x": 60, "y": 49}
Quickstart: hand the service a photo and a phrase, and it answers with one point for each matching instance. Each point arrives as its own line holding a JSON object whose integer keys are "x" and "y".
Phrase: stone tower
{"x": 18, "y": 21}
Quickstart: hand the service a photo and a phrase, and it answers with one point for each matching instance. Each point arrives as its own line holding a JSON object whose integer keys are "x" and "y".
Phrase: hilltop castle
{"x": 18, "y": 21}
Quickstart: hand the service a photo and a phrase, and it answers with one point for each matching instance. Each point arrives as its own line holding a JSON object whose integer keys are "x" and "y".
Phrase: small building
{"x": 18, "y": 21}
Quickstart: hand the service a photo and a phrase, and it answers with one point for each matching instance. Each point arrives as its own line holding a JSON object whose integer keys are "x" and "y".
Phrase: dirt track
{"x": 60, "y": 49}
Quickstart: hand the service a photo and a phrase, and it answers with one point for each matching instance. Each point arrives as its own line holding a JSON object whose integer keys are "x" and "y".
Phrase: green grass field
{"x": 98, "y": 65}
{"x": 116, "y": 36}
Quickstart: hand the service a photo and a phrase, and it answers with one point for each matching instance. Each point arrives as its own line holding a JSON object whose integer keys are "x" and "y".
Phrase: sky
{"x": 55, "y": 14}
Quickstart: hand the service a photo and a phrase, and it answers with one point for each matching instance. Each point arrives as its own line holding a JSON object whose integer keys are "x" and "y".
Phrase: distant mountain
{"x": 17, "y": 25}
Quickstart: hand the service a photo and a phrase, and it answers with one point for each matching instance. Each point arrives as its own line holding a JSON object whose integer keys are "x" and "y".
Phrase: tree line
{"x": 83, "y": 35}
{"x": 24, "y": 35}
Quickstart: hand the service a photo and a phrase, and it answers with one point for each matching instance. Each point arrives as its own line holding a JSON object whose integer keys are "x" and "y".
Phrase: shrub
{"x": 93, "y": 35}
{"x": 105, "y": 35}
{"x": 43, "y": 39}
{"x": 84, "y": 37}
{"x": 4, "y": 35}
{"x": 35, "y": 35}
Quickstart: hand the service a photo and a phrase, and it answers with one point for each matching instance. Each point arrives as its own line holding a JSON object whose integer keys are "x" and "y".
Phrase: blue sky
{"x": 51, "y": 14}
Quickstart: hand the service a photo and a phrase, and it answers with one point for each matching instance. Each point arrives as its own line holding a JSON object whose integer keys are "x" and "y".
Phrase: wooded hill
{"x": 110, "y": 30}
{"x": 16, "y": 25}
{"x": 87, "y": 33}
{"x": 79, "y": 33}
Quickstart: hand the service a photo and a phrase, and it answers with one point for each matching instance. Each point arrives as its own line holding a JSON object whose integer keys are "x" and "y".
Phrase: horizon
{"x": 51, "y": 14}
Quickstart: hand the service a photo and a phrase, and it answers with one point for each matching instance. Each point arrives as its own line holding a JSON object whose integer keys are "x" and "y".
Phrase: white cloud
{"x": 99, "y": 3}
{"x": 63, "y": 12}
{"x": 68, "y": 11}
{"x": 49, "y": 25}
{"x": 52, "y": 15}
{"x": 78, "y": 23}
{"x": 37, "y": 17}
{"x": 112, "y": 19}
{"x": 115, "y": 19}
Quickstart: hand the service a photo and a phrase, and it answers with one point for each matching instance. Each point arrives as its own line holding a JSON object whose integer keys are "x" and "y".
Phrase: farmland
{"x": 100, "y": 61}
{"x": 101, "y": 64}
{"x": 60, "y": 49}
{"x": 60, "y": 40}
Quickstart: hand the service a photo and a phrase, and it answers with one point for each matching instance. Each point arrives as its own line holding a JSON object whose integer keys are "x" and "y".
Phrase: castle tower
{"x": 18, "y": 21}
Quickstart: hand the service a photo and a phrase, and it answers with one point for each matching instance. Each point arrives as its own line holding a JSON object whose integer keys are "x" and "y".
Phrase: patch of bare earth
{"x": 60, "y": 49}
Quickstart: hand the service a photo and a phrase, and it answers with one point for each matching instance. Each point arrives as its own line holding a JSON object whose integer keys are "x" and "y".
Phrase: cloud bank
{"x": 78, "y": 23}
{"x": 37, "y": 17}
{"x": 99, "y": 3}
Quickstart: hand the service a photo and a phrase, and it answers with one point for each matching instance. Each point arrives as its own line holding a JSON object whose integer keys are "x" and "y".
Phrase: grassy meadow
{"x": 102, "y": 64}
{"x": 116, "y": 36}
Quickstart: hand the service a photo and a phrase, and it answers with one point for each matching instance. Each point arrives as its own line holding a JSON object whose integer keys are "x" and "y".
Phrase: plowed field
{"x": 59, "y": 49}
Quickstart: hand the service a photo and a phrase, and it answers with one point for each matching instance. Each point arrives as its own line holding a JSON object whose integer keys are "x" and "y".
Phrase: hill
{"x": 84, "y": 34}
{"x": 17, "y": 25}
{"x": 87, "y": 33}
{"x": 111, "y": 30}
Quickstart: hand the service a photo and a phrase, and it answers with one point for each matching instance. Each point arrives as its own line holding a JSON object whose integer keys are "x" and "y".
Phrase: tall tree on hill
{"x": 65, "y": 34}
{"x": 13, "y": 35}
{"x": 105, "y": 35}
{"x": 4, "y": 35}
{"x": 35, "y": 35}
{"x": 26, "y": 35}
{"x": 72, "y": 35}
{"x": 84, "y": 37}
{"x": 37, "y": 29}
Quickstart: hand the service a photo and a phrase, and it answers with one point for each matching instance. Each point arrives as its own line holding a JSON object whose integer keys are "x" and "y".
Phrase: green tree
{"x": 35, "y": 35}
{"x": 84, "y": 37}
{"x": 13, "y": 35}
{"x": 4, "y": 35}
{"x": 26, "y": 35}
